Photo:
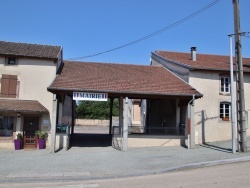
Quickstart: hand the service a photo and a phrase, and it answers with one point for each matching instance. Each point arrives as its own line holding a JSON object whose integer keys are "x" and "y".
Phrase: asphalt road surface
{"x": 228, "y": 175}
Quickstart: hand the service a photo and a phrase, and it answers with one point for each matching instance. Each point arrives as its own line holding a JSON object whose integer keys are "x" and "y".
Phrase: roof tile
{"x": 119, "y": 78}
{"x": 22, "y": 106}
{"x": 29, "y": 50}
{"x": 203, "y": 61}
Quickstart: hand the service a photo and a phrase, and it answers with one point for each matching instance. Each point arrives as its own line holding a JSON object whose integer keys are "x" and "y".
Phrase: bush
{"x": 41, "y": 134}
{"x": 96, "y": 110}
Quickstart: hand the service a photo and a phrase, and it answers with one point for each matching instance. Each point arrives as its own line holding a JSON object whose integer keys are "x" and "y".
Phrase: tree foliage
{"x": 96, "y": 110}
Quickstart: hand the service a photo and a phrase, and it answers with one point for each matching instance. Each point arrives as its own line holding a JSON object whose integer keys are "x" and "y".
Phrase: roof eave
{"x": 172, "y": 61}
{"x": 26, "y": 56}
{"x": 56, "y": 90}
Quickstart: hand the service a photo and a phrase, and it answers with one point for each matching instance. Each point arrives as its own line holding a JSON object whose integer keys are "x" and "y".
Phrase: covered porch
{"x": 164, "y": 110}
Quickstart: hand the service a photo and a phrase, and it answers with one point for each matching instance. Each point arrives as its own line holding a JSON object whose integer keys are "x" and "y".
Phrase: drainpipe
{"x": 191, "y": 141}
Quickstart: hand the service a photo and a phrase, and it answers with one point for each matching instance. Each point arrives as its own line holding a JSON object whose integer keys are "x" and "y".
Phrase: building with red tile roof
{"x": 164, "y": 95}
{"x": 203, "y": 61}
{"x": 25, "y": 104}
{"x": 136, "y": 81}
{"x": 210, "y": 75}
{"x": 29, "y": 50}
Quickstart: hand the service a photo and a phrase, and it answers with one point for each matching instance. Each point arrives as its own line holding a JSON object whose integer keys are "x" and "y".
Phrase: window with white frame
{"x": 225, "y": 110}
{"x": 225, "y": 84}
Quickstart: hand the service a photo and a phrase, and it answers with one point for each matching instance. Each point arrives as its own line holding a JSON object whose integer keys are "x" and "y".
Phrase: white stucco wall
{"x": 34, "y": 75}
{"x": 210, "y": 127}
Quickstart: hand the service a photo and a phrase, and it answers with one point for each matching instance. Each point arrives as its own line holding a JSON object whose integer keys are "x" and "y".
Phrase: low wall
{"x": 82, "y": 122}
{"x": 7, "y": 144}
{"x": 62, "y": 141}
{"x": 151, "y": 140}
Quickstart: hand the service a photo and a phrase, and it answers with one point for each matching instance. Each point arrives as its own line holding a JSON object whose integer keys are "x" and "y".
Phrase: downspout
{"x": 190, "y": 135}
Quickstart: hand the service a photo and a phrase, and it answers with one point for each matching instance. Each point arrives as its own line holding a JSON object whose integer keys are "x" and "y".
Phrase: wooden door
{"x": 30, "y": 126}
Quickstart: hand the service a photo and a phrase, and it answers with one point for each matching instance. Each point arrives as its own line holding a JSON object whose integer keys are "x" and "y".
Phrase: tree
{"x": 96, "y": 110}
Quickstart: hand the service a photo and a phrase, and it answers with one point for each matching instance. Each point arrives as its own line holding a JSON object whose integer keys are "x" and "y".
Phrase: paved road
{"x": 227, "y": 175}
{"x": 94, "y": 160}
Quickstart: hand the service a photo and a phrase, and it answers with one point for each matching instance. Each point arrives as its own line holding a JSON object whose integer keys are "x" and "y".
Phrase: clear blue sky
{"x": 85, "y": 27}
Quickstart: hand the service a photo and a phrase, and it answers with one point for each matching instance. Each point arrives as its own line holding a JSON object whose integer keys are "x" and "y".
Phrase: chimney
{"x": 193, "y": 53}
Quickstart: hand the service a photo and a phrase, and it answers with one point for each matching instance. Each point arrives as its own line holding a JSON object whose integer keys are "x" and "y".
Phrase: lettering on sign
{"x": 90, "y": 96}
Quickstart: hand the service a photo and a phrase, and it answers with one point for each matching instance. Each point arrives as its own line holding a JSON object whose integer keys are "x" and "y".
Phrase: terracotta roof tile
{"x": 29, "y": 50}
{"x": 203, "y": 61}
{"x": 119, "y": 78}
{"x": 22, "y": 106}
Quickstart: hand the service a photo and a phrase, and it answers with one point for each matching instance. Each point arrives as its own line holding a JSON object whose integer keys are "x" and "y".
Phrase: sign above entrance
{"x": 82, "y": 96}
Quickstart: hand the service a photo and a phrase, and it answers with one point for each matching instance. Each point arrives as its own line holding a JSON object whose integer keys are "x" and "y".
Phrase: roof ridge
{"x": 105, "y": 63}
{"x": 30, "y": 43}
{"x": 205, "y": 54}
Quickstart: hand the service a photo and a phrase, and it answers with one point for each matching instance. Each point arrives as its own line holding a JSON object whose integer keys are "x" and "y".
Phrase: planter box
{"x": 18, "y": 144}
{"x": 41, "y": 143}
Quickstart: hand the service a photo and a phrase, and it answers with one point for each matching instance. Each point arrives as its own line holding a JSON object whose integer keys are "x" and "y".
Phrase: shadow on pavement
{"x": 218, "y": 148}
{"x": 90, "y": 140}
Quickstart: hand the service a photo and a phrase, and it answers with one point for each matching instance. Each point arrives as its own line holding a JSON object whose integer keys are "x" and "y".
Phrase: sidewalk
{"x": 105, "y": 162}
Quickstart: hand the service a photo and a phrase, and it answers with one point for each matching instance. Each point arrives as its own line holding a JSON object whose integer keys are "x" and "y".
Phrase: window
{"x": 225, "y": 84}
{"x": 6, "y": 125}
{"x": 225, "y": 110}
{"x": 11, "y": 61}
{"x": 9, "y": 86}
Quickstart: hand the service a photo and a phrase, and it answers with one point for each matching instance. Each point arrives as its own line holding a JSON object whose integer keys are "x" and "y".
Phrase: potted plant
{"x": 41, "y": 136}
{"x": 18, "y": 141}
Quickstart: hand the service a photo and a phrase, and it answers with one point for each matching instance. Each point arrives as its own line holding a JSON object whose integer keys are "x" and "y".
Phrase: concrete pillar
{"x": 18, "y": 124}
{"x": 125, "y": 125}
{"x": 53, "y": 126}
{"x": 192, "y": 131}
{"x": 121, "y": 118}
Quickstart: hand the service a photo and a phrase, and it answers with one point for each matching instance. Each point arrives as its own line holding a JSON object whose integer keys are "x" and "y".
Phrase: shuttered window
{"x": 9, "y": 86}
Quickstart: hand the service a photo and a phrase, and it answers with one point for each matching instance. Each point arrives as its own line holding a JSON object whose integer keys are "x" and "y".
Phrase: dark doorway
{"x": 30, "y": 126}
{"x": 90, "y": 140}
{"x": 91, "y": 136}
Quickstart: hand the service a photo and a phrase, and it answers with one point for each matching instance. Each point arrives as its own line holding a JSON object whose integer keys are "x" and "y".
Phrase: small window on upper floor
{"x": 225, "y": 84}
{"x": 11, "y": 61}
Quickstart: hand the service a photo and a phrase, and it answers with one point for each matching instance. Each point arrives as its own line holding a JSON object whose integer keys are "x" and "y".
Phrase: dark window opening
{"x": 6, "y": 125}
{"x": 11, "y": 61}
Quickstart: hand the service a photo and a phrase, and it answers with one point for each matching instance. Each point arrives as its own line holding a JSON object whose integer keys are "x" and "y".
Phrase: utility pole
{"x": 241, "y": 119}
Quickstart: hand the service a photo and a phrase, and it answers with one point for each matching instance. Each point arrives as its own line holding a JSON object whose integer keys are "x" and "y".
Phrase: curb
{"x": 205, "y": 164}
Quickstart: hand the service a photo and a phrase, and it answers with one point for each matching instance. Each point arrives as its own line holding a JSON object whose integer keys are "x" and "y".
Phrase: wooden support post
{"x": 178, "y": 113}
{"x": 73, "y": 117}
{"x": 110, "y": 115}
{"x": 60, "y": 111}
